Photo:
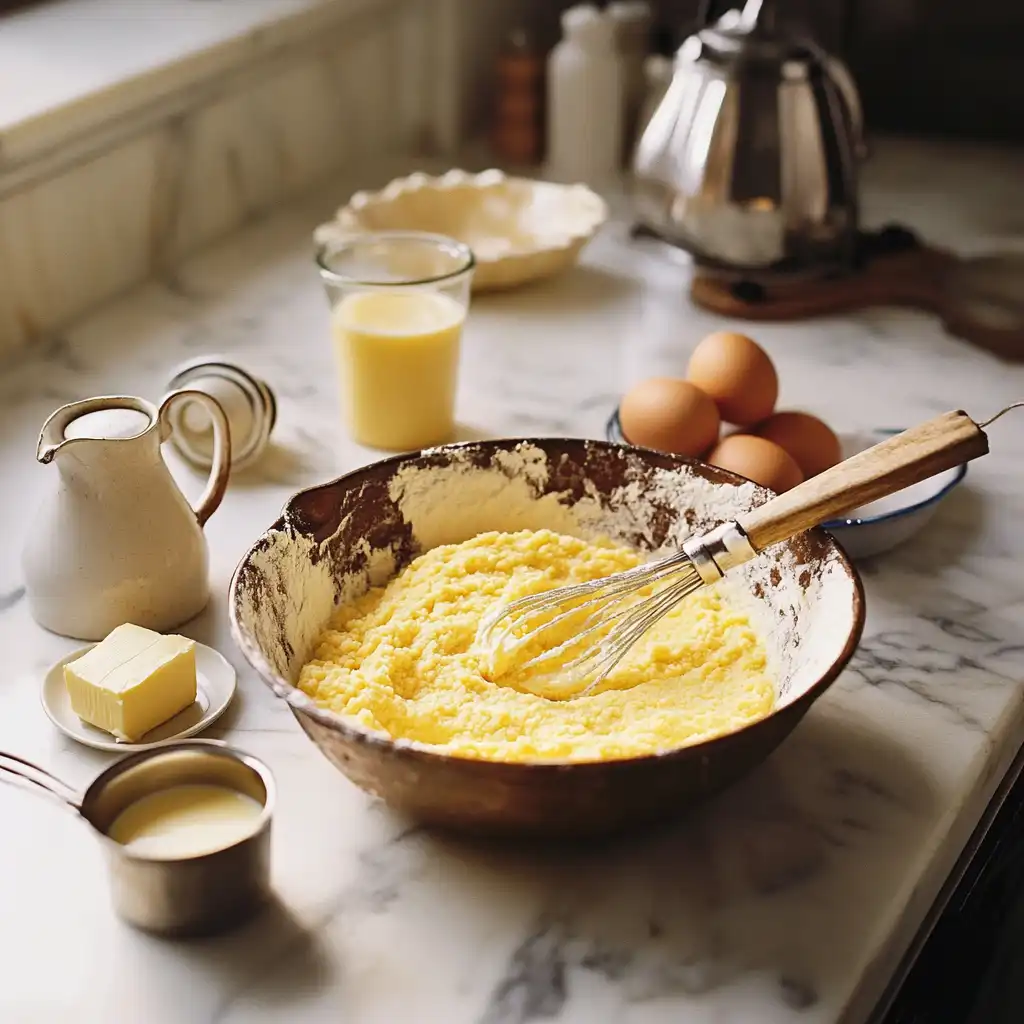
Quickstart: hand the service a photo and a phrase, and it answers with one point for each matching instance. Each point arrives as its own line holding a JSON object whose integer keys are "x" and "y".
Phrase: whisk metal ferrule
{"x": 716, "y": 552}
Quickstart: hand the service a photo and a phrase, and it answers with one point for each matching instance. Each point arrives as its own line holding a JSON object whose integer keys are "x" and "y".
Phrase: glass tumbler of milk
{"x": 398, "y": 302}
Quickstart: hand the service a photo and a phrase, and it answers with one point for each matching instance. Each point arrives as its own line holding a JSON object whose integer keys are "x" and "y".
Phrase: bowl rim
{"x": 299, "y": 702}
{"x": 615, "y": 434}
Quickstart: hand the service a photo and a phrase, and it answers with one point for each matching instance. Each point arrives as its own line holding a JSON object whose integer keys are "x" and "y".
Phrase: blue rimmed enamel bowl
{"x": 880, "y": 525}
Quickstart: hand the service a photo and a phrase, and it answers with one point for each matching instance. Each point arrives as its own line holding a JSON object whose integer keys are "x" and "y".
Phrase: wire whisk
{"x": 606, "y": 617}
{"x": 564, "y": 642}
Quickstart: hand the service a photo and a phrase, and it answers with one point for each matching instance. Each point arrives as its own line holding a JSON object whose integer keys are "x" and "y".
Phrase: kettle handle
{"x": 840, "y": 74}
{"x": 220, "y": 469}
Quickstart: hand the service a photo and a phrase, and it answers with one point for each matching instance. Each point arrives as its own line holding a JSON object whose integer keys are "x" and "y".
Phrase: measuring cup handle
{"x": 221, "y": 467}
{"x": 20, "y": 772}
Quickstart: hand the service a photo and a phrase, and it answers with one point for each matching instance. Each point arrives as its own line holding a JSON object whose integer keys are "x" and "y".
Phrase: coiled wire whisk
{"x": 564, "y": 642}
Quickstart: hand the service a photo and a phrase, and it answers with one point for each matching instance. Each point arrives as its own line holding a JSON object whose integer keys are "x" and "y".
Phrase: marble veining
{"x": 787, "y": 900}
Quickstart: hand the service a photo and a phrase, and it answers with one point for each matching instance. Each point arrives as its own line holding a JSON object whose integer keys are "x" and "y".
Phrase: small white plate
{"x": 215, "y": 686}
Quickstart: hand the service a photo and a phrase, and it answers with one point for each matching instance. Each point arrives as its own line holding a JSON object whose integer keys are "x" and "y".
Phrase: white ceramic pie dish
{"x": 519, "y": 229}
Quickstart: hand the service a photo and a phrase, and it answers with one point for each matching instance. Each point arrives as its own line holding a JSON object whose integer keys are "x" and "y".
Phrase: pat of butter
{"x": 132, "y": 681}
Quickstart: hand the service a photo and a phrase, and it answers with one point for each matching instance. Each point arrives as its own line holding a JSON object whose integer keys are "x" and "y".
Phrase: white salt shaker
{"x": 247, "y": 401}
{"x": 631, "y": 20}
{"x": 585, "y": 99}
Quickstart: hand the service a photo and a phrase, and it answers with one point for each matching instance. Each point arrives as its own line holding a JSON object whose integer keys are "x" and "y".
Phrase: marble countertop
{"x": 788, "y": 899}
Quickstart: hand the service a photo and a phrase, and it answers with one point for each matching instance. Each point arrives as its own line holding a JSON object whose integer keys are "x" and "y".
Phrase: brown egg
{"x": 759, "y": 460}
{"x": 737, "y": 373}
{"x": 670, "y": 415}
{"x": 812, "y": 444}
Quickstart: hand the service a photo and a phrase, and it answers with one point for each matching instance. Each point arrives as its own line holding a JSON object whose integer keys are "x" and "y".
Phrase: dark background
{"x": 924, "y": 67}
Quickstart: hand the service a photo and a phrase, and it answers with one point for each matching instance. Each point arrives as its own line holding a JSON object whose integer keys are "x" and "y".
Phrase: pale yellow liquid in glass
{"x": 186, "y": 821}
{"x": 398, "y": 353}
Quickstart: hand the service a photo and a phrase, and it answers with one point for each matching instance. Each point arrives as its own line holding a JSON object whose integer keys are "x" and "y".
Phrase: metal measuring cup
{"x": 182, "y": 896}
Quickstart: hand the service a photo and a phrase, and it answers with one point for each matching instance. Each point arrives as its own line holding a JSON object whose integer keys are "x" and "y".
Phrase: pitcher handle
{"x": 220, "y": 468}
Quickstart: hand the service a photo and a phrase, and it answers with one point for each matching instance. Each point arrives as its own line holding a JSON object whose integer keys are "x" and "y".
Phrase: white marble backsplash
{"x": 96, "y": 216}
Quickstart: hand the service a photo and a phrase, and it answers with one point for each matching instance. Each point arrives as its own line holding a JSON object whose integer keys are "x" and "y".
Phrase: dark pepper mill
{"x": 519, "y": 106}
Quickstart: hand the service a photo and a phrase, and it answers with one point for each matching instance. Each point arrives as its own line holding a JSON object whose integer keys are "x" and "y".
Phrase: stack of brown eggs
{"x": 730, "y": 380}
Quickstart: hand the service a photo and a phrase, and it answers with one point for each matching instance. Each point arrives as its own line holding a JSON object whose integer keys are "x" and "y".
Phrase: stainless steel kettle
{"x": 750, "y": 160}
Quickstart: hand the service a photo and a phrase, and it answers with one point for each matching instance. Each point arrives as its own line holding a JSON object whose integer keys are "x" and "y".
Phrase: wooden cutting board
{"x": 978, "y": 299}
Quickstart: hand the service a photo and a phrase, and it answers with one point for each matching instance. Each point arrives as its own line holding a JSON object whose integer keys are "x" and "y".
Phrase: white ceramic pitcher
{"x": 117, "y": 541}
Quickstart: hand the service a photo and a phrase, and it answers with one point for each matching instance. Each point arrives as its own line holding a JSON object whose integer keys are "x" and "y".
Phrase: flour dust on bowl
{"x": 335, "y": 541}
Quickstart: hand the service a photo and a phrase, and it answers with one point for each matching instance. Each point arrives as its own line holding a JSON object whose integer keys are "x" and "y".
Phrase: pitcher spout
{"x": 46, "y": 450}
{"x": 51, "y": 437}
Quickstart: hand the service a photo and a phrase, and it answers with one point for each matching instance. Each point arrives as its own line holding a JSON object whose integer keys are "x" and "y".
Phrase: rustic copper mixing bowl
{"x": 334, "y": 540}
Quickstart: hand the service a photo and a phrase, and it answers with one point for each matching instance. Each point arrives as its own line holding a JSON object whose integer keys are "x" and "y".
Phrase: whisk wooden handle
{"x": 918, "y": 453}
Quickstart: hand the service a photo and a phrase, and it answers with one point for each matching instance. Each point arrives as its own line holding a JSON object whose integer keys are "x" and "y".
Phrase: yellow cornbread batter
{"x": 401, "y": 660}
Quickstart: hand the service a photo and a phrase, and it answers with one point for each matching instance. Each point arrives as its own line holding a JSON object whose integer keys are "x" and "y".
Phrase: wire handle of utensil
{"x": 939, "y": 444}
{"x": 1002, "y": 412}
{"x": 20, "y": 772}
